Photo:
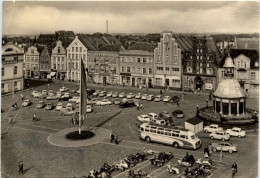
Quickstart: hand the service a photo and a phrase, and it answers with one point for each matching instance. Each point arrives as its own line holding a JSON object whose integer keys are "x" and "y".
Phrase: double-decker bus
{"x": 174, "y": 137}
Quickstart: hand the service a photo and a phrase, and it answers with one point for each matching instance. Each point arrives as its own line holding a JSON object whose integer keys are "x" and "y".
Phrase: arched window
{"x": 9, "y": 49}
{"x": 58, "y": 49}
{"x": 15, "y": 70}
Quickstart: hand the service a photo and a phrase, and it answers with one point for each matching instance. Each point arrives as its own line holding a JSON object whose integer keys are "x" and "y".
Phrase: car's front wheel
{"x": 230, "y": 151}
{"x": 214, "y": 149}
{"x": 211, "y": 137}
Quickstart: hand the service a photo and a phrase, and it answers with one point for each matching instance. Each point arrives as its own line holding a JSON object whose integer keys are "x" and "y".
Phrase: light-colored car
{"x": 158, "y": 121}
{"x": 26, "y": 103}
{"x": 212, "y": 128}
{"x": 36, "y": 94}
{"x": 44, "y": 92}
{"x": 219, "y": 135}
{"x": 153, "y": 115}
{"x": 165, "y": 115}
{"x": 150, "y": 98}
{"x": 144, "y": 118}
{"x": 40, "y": 105}
{"x": 75, "y": 99}
{"x": 236, "y": 132}
{"x": 144, "y": 96}
{"x": 69, "y": 107}
{"x": 65, "y": 112}
{"x": 52, "y": 97}
{"x": 94, "y": 100}
{"x": 89, "y": 109}
{"x": 50, "y": 93}
{"x": 58, "y": 107}
{"x": 116, "y": 101}
{"x": 109, "y": 94}
{"x": 158, "y": 98}
{"x": 103, "y": 102}
{"x": 63, "y": 89}
{"x": 122, "y": 95}
{"x": 224, "y": 146}
{"x": 166, "y": 98}
{"x": 65, "y": 97}
{"x": 49, "y": 106}
{"x": 59, "y": 94}
{"x": 130, "y": 95}
{"x": 115, "y": 94}
{"x": 96, "y": 93}
{"x": 102, "y": 93}
{"x": 138, "y": 95}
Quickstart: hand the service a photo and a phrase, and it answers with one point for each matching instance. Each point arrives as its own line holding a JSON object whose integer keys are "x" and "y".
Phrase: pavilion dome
{"x": 229, "y": 62}
{"x": 229, "y": 88}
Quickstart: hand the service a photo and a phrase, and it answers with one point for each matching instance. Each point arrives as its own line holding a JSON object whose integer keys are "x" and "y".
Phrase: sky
{"x": 30, "y": 17}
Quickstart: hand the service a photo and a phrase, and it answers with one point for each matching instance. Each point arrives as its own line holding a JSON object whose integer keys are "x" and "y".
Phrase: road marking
{"x": 32, "y": 130}
{"x": 38, "y": 126}
{"x": 158, "y": 169}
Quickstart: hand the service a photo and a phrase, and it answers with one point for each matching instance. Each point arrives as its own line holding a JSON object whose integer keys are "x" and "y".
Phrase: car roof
{"x": 214, "y": 125}
{"x": 158, "y": 95}
{"x": 166, "y": 96}
{"x": 151, "y": 113}
{"x": 236, "y": 128}
{"x": 226, "y": 143}
{"x": 144, "y": 115}
{"x": 150, "y": 95}
{"x": 40, "y": 101}
{"x": 145, "y": 94}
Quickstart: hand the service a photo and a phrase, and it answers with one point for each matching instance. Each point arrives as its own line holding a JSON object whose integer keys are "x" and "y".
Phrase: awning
{"x": 52, "y": 74}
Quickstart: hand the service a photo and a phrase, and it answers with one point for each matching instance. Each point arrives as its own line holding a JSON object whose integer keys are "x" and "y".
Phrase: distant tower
{"x": 107, "y": 26}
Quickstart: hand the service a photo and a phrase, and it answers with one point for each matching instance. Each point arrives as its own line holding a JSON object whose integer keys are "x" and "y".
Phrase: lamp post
{"x": 207, "y": 103}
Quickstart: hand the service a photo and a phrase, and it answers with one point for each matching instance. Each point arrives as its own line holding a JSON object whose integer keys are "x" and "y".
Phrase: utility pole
{"x": 107, "y": 26}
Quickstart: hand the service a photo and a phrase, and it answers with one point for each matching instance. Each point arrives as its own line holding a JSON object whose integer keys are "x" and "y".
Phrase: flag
{"x": 83, "y": 94}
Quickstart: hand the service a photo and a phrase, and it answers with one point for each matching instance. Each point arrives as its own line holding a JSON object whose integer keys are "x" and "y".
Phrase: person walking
{"x": 20, "y": 167}
{"x": 178, "y": 104}
{"x": 34, "y": 117}
{"x": 22, "y": 96}
{"x": 234, "y": 169}
{"x": 116, "y": 138}
{"x": 112, "y": 138}
{"x": 10, "y": 120}
{"x": 206, "y": 152}
{"x": 197, "y": 109}
{"x": 141, "y": 106}
{"x": 161, "y": 92}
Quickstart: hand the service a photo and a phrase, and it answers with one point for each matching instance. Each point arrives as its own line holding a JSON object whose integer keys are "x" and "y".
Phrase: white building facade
{"x": 12, "y": 68}
{"x": 31, "y": 62}
{"x": 75, "y": 52}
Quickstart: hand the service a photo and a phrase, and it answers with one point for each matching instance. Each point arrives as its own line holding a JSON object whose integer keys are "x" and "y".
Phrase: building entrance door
{"x": 133, "y": 81}
{"x": 198, "y": 83}
{"x": 104, "y": 80}
{"x": 167, "y": 82}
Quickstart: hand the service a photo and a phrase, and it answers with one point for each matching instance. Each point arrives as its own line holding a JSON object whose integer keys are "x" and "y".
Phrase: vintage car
{"x": 49, "y": 106}
{"x": 102, "y": 93}
{"x": 150, "y": 98}
{"x": 109, "y": 94}
{"x": 103, "y": 102}
{"x": 178, "y": 113}
{"x": 65, "y": 112}
{"x": 40, "y": 105}
{"x": 144, "y": 96}
{"x": 236, "y": 132}
{"x": 52, "y": 97}
{"x": 138, "y": 95}
{"x": 63, "y": 89}
{"x": 158, "y": 98}
{"x": 75, "y": 99}
{"x": 26, "y": 103}
{"x": 96, "y": 93}
{"x": 166, "y": 99}
{"x": 58, "y": 107}
{"x": 220, "y": 135}
{"x": 212, "y": 128}
{"x": 122, "y": 95}
{"x": 89, "y": 109}
{"x": 115, "y": 94}
{"x": 224, "y": 146}
{"x": 165, "y": 115}
{"x": 144, "y": 118}
{"x": 130, "y": 95}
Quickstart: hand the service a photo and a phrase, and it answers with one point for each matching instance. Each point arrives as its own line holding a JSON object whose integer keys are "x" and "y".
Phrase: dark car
{"x": 178, "y": 113}
{"x": 127, "y": 104}
{"x": 90, "y": 92}
{"x": 174, "y": 99}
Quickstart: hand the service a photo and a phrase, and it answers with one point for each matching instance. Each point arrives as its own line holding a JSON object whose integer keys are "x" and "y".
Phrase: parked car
{"x": 65, "y": 112}
{"x": 236, "y": 132}
{"x": 153, "y": 115}
{"x": 26, "y": 103}
{"x": 158, "y": 98}
{"x": 40, "y": 105}
{"x": 130, "y": 95}
{"x": 75, "y": 99}
{"x": 165, "y": 115}
{"x": 224, "y": 146}
{"x": 150, "y": 98}
{"x": 94, "y": 101}
{"x": 90, "y": 92}
{"x": 49, "y": 106}
{"x": 122, "y": 95}
{"x": 158, "y": 121}
{"x": 89, "y": 109}
{"x": 127, "y": 104}
{"x": 115, "y": 94}
{"x": 36, "y": 94}
{"x": 44, "y": 92}
{"x": 59, "y": 94}
{"x": 102, "y": 93}
{"x": 103, "y": 102}
{"x": 63, "y": 89}
{"x": 178, "y": 113}
{"x": 69, "y": 106}
{"x": 212, "y": 128}
{"x": 166, "y": 99}
{"x": 52, "y": 97}
{"x": 138, "y": 95}
{"x": 219, "y": 135}
{"x": 174, "y": 99}
{"x": 65, "y": 97}
{"x": 144, "y": 118}
{"x": 109, "y": 94}
{"x": 144, "y": 96}
{"x": 58, "y": 107}
{"x": 116, "y": 101}
{"x": 50, "y": 93}
{"x": 96, "y": 93}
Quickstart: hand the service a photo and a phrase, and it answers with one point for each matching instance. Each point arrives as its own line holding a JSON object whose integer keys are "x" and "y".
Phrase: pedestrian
{"x": 141, "y": 106}
{"x": 207, "y": 103}
{"x": 161, "y": 92}
{"x": 21, "y": 167}
{"x": 21, "y": 96}
{"x": 112, "y": 138}
{"x": 178, "y": 105}
{"x": 210, "y": 96}
{"x": 48, "y": 86}
{"x": 165, "y": 88}
{"x": 116, "y": 138}
{"x": 10, "y": 120}
{"x": 34, "y": 117}
{"x": 234, "y": 169}
{"x": 197, "y": 109}
{"x": 206, "y": 152}
{"x": 138, "y": 106}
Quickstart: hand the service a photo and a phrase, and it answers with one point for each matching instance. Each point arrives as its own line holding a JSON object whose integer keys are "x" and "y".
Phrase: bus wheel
{"x": 148, "y": 139}
{"x": 175, "y": 145}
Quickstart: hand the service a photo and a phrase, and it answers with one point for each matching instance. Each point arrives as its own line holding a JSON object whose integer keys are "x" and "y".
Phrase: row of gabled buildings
{"x": 176, "y": 62}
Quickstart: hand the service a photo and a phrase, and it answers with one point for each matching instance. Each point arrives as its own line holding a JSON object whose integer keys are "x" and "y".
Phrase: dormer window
{"x": 9, "y": 49}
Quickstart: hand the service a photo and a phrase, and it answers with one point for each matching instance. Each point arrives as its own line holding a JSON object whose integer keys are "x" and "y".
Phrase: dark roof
{"x": 65, "y": 42}
{"x": 143, "y": 46}
{"x": 194, "y": 121}
{"x": 250, "y": 53}
{"x": 110, "y": 48}
{"x": 247, "y": 43}
{"x": 184, "y": 43}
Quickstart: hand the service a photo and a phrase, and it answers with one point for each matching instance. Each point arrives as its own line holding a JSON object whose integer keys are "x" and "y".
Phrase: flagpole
{"x": 80, "y": 100}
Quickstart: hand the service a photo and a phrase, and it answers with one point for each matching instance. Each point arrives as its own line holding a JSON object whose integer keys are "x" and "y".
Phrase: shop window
{"x": 241, "y": 107}
{"x": 217, "y": 106}
{"x": 225, "y": 108}
{"x": 233, "y": 108}
{"x": 15, "y": 70}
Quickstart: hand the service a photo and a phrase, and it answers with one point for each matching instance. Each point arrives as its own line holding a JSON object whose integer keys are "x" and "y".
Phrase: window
{"x": 72, "y": 56}
{"x": 201, "y": 64}
{"x": 198, "y": 50}
{"x": 167, "y": 68}
{"x": 76, "y": 65}
{"x": 76, "y": 49}
{"x": 122, "y": 59}
{"x": 138, "y": 70}
{"x": 72, "y": 49}
{"x": 175, "y": 135}
{"x": 80, "y": 49}
{"x": 144, "y": 70}
{"x": 15, "y": 70}
{"x": 158, "y": 82}
{"x": 76, "y": 56}
{"x": 175, "y": 69}
{"x": 209, "y": 71}
{"x": 144, "y": 60}
{"x": 238, "y": 64}
{"x": 252, "y": 75}
{"x": 32, "y": 51}
{"x": 188, "y": 82}
{"x": 15, "y": 85}
{"x": 222, "y": 74}
{"x": 182, "y": 136}
{"x": 133, "y": 69}
{"x": 3, "y": 71}
{"x": 123, "y": 69}
{"x": 58, "y": 49}
{"x": 200, "y": 57}
{"x": 190, "y": 57}
{"x": 128, "y": 69}
{"x": 207, "y": 64}
{"x": 176, "y": 83}
{"x": 150, "y": 71}
{"x": 138, "y": 60}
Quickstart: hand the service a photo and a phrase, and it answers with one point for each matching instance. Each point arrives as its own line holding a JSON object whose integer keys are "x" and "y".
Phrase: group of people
{"x": 114, "y": 138}
{"x": 139, "y": 106}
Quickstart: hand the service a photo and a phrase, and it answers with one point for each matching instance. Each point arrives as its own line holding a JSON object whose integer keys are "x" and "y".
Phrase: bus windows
{"x": 142, "y": 129}
{"x": 182, "y": 136}
{"x": 167, "y": 133}
{"x": 146, "y": 129}
{"x": 160, "y": 131}
{"x": 175, "y": 135}
{"x": 153, "y": 130}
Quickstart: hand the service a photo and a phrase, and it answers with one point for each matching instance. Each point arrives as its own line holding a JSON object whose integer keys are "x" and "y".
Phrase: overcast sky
{"x": 130, "y": 17}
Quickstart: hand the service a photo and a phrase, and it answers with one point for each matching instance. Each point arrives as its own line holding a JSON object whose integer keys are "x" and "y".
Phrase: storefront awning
{"x": 52, "y": 74}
